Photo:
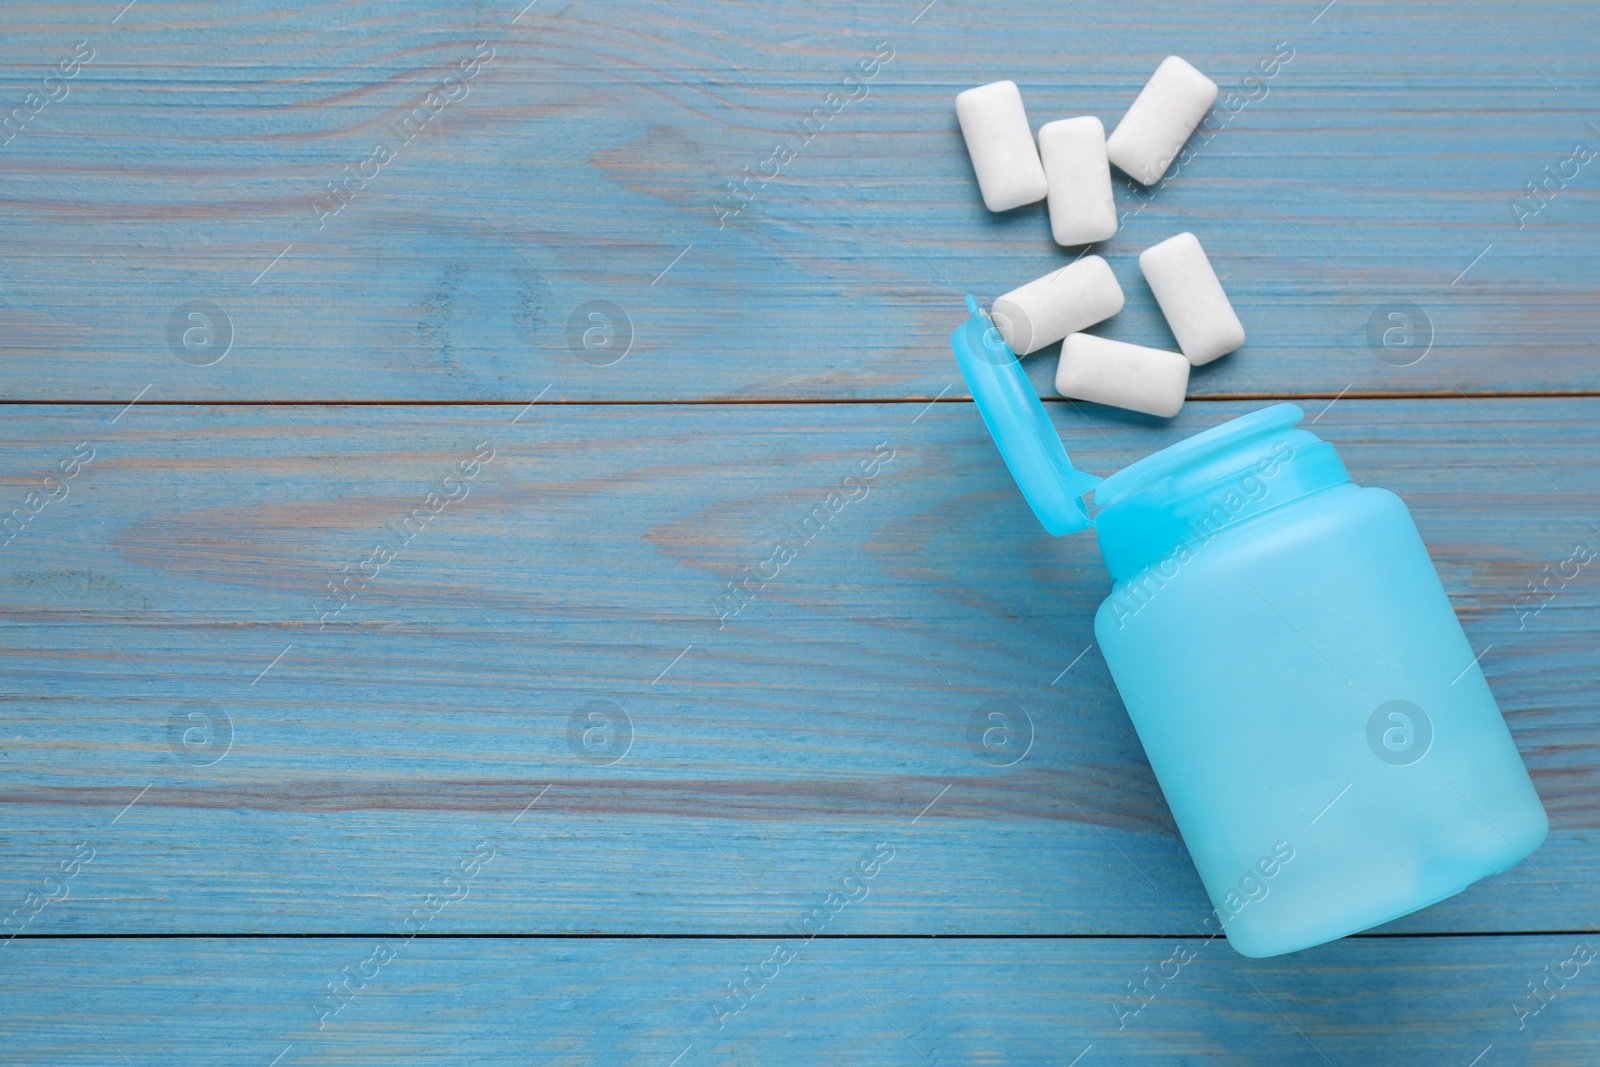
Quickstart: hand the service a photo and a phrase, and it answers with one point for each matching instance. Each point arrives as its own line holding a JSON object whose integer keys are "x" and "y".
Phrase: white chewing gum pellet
{"x": 1191, "y": 298}
{"x": 1000, "y": 142}
{"x": 1122, "y": 375}
{"x": 1167, "y": 110}
{"x": 1073, "y": 152}
{"x": 1064, "y": 301}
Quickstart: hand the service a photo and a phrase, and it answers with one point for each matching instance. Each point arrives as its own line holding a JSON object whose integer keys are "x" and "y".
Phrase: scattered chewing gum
{"x": 1073, "y": 152}
{"x": 1000, "y": 142}
{"x": 1064, "y": 301}
{"x": 1121, "y": 375}
{"x": 1166, "y": 112}
{"x": 1191, "y": 298}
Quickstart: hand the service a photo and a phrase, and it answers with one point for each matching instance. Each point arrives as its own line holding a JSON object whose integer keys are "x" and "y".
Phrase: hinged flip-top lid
{"x": 1016, "y": 418}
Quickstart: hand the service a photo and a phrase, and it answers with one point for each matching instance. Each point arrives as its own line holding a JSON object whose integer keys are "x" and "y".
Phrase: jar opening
{"x": 1210, "y": 442}
{"x": 1189, "y": 493}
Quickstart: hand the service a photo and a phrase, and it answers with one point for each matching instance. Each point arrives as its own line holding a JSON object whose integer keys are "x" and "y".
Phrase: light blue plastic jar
{"x": 1308, "y": 701}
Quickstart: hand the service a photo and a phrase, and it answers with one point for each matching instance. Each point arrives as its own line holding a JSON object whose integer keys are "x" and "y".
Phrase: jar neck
{"x": 1191, "y": 492}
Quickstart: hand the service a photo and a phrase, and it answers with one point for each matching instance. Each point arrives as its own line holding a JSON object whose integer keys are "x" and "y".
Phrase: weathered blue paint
{"x": 596, "y": 146}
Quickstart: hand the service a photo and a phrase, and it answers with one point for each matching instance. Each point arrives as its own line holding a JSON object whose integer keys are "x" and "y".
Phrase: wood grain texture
{"x": 587, "y": 562}
{"x": 594, "y": 150}
{"x": 1428, "y": 1001}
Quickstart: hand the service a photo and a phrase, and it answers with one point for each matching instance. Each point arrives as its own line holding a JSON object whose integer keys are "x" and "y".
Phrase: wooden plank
{"x": 589, "y": 161}
{"x": 857, "y": 1002}
{"x": 184, "y": 573}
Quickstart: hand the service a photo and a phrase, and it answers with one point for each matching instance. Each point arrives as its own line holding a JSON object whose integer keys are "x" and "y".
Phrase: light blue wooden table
{"x": 529, "y": 784}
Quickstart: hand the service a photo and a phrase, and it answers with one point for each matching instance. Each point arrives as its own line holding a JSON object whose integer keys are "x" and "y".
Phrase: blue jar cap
{"x": 1016, "y": 418}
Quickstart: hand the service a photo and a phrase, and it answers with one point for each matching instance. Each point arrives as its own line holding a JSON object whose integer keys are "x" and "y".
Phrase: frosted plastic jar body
{"x": 1306, "y": 696}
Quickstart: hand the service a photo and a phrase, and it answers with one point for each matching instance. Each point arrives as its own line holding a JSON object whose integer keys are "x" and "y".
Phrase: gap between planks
{"x": 362, "y": 936}
{"x": 1453, "y": 394}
